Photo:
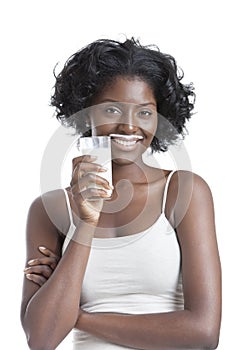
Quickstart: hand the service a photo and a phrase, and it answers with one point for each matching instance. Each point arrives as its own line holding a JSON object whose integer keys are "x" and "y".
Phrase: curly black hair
{"x": 91, "y": 69}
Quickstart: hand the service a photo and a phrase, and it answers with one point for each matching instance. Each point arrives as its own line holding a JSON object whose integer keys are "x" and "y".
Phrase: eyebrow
{"x": 147, "y": 103}
{"x": 138, "y": 104}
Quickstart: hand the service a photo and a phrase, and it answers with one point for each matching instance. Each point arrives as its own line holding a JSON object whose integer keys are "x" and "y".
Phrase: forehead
{"x": 128, "y": 90}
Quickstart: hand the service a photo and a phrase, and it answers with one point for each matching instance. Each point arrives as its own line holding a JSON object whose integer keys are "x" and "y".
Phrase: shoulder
{"x": 187, "y": 179}
{"x": 190, "y": 183}
{"x": 47, "y": 199}
{"x": 51, "y": 207}
{"x": 187, "y": 191}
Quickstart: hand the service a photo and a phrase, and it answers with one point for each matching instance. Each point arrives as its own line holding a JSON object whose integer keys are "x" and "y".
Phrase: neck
{"x": 136, "y": 172}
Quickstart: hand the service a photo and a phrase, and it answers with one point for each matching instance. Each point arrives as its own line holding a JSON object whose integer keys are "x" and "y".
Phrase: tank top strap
{"x": 166, "y": 190}
{"x": 68, "y": 206}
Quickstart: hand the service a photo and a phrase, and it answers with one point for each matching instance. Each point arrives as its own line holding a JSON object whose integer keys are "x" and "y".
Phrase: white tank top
{"x": 134, "y": 274}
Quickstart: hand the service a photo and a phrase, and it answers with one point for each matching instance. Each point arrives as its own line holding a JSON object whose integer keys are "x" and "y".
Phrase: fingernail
{"x": 103, "y": 169}
{"x": 31, "y": 261}
{"x": 28, "y": 275}
{"x": 108, "y": 193}
{"x": 109, "y": 187}
{"x": 92, "y": 157}
{"x": 26, "y": 268}
{"x": 42, "y": 248}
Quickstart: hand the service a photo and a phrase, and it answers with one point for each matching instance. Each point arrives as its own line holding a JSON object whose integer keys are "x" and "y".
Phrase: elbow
{"x": 36, "y": 341}
{"x": 209, "y": 337}
{"x": 35, "y": 344}
{"x": 212, "y": 341}
{"x": 40, "y": 338}
{"x": 48, "y": 340}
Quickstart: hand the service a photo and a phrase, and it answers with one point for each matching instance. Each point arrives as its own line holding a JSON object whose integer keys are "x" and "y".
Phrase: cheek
{"x": 155, "y": 126}
{"x": 100, "y": 124}
{"x": 149, "y": 128}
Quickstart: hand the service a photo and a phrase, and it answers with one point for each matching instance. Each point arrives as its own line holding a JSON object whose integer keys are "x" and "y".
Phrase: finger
{"x": 38, "y": 279}
{"x": 94, "y": 193}
{"x": 91, "y": 179}
{"x": 84, "y": 168}
{"x": 80, "y": 159}
{"x": 43, "y": 270}
{"x": 47, "y": 252}
{"x": 52, "y": 262}
{"x": 99, "y": 180}
{"x": 53, "y": 258}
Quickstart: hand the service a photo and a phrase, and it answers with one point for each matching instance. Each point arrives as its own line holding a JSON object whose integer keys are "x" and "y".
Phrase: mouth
{"x": 126, "y": 140}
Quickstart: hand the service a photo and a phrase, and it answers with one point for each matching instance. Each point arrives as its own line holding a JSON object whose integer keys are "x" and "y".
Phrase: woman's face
{"x": 127, "y": 109}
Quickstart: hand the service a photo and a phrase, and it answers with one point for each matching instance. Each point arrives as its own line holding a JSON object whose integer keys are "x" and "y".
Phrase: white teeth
{"x": 126, "y": 137}
{"x": 126, "y": 140}
{"x": 125, "y": 143}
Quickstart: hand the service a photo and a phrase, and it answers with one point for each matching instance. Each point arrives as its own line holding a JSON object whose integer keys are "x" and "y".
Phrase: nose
{"x": 128, "y": 125}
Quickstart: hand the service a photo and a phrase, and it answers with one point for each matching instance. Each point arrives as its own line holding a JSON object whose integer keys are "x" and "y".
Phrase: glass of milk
{"x": 100, "y": 147}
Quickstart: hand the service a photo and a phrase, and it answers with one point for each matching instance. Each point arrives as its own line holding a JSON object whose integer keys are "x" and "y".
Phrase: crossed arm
{"x": 197, "y": 326}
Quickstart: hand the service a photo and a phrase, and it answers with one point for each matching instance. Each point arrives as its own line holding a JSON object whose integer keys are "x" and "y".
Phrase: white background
{"x": 35, "y": 35}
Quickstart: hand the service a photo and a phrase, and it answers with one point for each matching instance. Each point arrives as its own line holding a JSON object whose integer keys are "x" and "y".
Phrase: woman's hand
{"x": 40, "y": 269}
{"x": 87, "y": 197}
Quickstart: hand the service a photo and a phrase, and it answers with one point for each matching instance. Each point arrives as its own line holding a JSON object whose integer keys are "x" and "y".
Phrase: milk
{"x": 99, "y": 146}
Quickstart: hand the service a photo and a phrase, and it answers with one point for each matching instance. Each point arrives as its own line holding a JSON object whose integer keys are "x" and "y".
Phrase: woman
{"x": 140, "y": 270}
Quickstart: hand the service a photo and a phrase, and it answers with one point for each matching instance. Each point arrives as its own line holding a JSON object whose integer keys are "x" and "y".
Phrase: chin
{"x": 122, "y": 161}
{"x": 125, "y": 160}
{"x": 124, "y": 155}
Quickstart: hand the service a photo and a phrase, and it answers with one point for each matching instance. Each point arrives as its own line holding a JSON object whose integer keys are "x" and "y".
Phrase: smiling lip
{"x": 126, "y": 140}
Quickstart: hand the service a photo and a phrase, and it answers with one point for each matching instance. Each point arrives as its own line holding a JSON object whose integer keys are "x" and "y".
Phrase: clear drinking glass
{"x": 99, "y": 146}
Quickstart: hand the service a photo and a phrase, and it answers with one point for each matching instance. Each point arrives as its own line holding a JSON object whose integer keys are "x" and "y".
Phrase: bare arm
{"x": 197, "y": 326}
{"x": 49, "y": 312}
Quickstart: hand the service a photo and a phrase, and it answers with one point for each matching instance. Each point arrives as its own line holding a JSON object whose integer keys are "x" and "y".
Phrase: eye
{"x": 113, "y": 110}
{"x": 146, "y": 114}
